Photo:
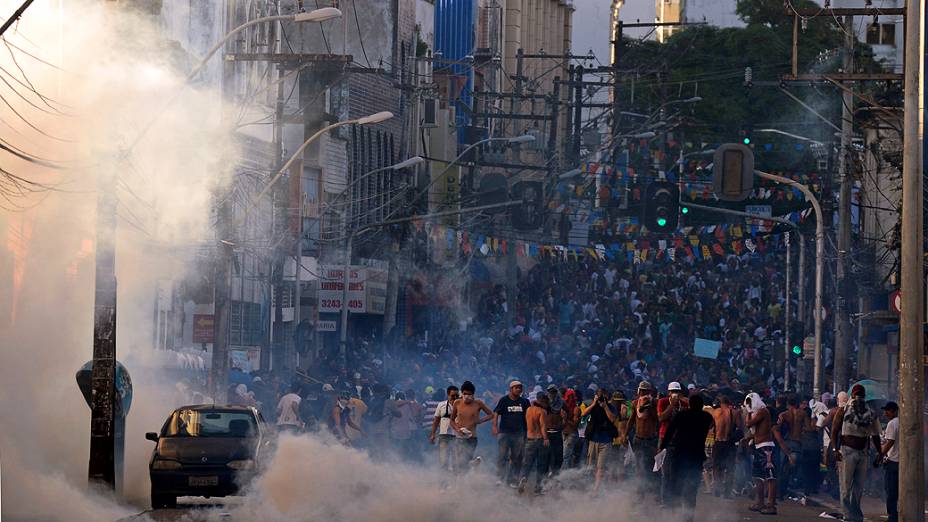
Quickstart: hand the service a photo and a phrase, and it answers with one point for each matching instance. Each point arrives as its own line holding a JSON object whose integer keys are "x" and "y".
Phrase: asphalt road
{"x": 708, "y": 508}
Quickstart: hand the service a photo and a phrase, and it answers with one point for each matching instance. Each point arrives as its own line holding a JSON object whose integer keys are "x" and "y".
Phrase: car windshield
{"x": 197, "y": 423}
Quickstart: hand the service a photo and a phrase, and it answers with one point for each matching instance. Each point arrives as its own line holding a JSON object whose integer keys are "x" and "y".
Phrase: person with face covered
{"x": 342, "y": 415}
{"x": 764, "y": 438}
{"x": 687, "y": 436}
{"x": 643, "y": 422}
{"x": 465, "y": 417}
{"x": 854, "y": 426}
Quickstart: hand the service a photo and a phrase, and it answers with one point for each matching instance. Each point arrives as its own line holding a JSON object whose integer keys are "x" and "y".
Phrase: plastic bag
{"x": 659, "y": 460}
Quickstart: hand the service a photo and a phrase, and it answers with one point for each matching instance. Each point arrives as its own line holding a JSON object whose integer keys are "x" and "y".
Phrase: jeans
{"x": 723, "y": 465}
{"x": 891, "y": 483}
{"x": 509, "y": 462}
{"x": 685, "y": 480}
{"x": 789, "y": 472}
{"x": 853, "y": 472}
{"x": 464, "y": 453}
{"x": 809, "y": 467}
{"x": 536, "y": 455}
{"x": 571, "y": 452}
{"x": 555, "y": 453}
{"x": 645, "y": 449}
{"x": 446, "y": 452}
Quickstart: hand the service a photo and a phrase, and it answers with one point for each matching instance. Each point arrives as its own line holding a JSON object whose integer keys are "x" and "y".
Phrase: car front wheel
{"x": 162, "y": 501}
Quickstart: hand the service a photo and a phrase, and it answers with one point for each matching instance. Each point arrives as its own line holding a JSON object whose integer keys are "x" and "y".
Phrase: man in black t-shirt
{"x": 686, "y": 437}
{"x": 509, "y": 427}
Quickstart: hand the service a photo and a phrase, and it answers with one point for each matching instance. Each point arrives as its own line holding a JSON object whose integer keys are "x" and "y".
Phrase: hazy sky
{"x": 591, "y": 24}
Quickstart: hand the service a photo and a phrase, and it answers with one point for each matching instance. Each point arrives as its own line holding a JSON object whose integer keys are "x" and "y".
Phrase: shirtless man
{"x": 792, "y": 421}
{"x": 643, "y": 421}
{"x": 761, "y": 433}
{"x": 536, "y": 454}
{"x": 465, "y": 417}
{"x": 723, "y": 452}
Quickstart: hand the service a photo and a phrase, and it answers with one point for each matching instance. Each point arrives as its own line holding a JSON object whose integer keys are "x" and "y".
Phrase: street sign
{"x": 808, "y": 347}
{"x": 326, "y": 326}
{"x": 203, "y": 328}
{"x": 895, "y": 301}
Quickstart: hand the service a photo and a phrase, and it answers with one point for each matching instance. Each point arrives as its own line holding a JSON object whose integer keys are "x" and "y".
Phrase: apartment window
{"x": 881, "y": 34}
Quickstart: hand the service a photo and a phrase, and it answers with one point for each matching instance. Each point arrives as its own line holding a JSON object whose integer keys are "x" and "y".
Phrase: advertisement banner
{"x": 376, "y": 283}
{"x": 331, "y": 289}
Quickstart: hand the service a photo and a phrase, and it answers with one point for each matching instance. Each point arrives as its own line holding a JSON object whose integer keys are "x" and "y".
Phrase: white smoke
{"x": 112, "y": 73}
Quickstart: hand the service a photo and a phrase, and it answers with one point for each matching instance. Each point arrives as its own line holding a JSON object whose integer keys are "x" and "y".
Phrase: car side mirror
{"x": 152, "y": 436}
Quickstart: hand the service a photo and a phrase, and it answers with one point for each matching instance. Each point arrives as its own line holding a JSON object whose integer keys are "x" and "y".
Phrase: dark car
{"x": 206, "y": 451}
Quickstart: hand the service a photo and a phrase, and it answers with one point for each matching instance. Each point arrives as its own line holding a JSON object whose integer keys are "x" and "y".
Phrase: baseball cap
{"x": 691, "y": 386}
{"x": 674, "y": 386}
{"x": 618, "y": 396}
{"x": 645, "y": 385}
{"x": 327, "y": 387}
{"x": 514, "y": 383}
{"x": 891, "y": 406}
{"x": 552, "y": 387}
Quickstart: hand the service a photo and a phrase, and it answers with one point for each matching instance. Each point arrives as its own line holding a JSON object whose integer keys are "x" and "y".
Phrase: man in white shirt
{"x": 441, "y": 423}
{"x": 889, "y": 452}
{"x": 288, "y": 412}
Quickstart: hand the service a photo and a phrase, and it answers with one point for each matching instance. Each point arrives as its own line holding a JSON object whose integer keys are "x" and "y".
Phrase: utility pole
{"x": 842, "y": 313}
{"x": 912, "y": 318}
{"x": 616, "y": 57}
{"x": 787, "y": 338}
{"x": 101, "y": 470}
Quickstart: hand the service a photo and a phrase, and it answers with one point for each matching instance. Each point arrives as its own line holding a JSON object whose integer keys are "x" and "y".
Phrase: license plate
{"x": 203, "y": 481}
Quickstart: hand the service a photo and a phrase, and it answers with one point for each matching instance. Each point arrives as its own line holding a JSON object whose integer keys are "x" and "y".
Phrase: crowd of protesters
{"x": 590, "y": 366}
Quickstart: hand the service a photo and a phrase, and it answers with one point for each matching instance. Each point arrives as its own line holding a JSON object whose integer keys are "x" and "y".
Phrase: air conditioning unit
{"x": 430, "y": 113}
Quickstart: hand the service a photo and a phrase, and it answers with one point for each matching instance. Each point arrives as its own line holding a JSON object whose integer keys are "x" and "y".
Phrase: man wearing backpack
{"x": 853, "y": 426}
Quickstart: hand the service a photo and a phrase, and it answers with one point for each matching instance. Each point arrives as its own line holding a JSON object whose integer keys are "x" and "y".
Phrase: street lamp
{"x": 373, "y": 118}
{"x": 791, "y": 135}
{"x": 316, "y": 15}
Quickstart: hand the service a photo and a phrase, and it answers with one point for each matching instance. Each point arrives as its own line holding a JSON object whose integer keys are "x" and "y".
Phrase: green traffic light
{"x": 661, "y": 222}
{"x": 684, "y": 210}
{"x": 747, "y": 141}
{"x": 797, "y": 350}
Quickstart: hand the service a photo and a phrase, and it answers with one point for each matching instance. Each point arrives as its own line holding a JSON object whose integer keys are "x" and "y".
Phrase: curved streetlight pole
{"x": 316, "y": 15}
{"x": 819, "y": 261}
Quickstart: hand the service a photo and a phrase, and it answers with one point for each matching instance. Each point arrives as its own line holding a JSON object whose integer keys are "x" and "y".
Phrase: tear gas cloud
{"x": 108, "y": 74}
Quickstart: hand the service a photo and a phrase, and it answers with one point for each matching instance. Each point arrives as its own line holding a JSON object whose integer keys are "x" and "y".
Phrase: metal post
{"x": 787, "y": 338}
{"x": 801, "y": 314}
{"x": 343, "y": 342}
{"x": 578, "y": 111}
{"x": 819, "y": 265}
{"x": 912, "y": 318}
{"x": 842, "y": 318}
{"x": 101, "y": 470}
{"x": 616, "y": 57}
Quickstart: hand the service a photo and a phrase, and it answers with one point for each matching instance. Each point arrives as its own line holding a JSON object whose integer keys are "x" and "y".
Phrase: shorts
{"x": 765, "y": 463}
{"x": 598, "y": 454}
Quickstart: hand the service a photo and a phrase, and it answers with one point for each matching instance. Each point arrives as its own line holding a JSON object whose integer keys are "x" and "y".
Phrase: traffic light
{"x": 733, "y": 172}
{"x": 530, "y": 214}
{"x": 745, "y": 135}
{"x": 661, "y": 210}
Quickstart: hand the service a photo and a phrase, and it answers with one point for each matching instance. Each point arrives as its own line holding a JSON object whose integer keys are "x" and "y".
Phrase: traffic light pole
{"x": 819, "y": 265}
{"x": 782, "y": 221}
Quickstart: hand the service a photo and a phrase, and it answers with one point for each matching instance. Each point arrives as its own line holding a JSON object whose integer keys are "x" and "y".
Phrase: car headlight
{"x": 241, "y": 464}
{"x": 165, "y": 464}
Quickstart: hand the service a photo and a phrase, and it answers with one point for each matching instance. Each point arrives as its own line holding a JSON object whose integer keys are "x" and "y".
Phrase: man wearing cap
{"x": 667, "y": 409}
{"x": 509, "y": 426}
{"x": 852, "y": 427}
{"x": 889, "y": 453}
{"x": 643, "y": 421}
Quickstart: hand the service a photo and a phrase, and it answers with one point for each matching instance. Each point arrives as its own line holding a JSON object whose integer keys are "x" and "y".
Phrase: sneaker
{"x": 513, "y": 485}
{"x": 768, "y": 510}
{"x": 499, "y": 483}
{"x": 521, "y": 485}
